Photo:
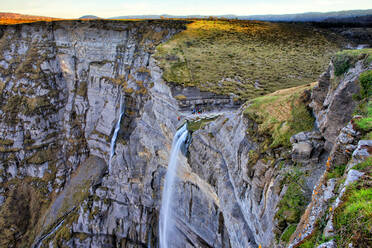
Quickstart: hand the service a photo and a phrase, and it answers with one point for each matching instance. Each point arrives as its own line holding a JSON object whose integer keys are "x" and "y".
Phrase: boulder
{"x": 306, "y": 147}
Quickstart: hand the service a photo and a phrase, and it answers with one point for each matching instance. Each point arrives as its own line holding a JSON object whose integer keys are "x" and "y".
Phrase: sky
{"x": 111, "y": 8}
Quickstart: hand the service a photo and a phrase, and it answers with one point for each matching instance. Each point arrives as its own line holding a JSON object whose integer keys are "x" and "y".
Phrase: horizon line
{"x": 216, "y": 15}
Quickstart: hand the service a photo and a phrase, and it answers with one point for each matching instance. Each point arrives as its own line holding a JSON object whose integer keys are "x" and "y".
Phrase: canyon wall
{"x": 61, "y": 85}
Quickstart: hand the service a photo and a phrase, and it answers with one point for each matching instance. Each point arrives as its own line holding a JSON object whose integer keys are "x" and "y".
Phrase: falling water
{"x": 165, "y": 211}
{"x": 40, "y": 242}
{"x": 115, "y": 135}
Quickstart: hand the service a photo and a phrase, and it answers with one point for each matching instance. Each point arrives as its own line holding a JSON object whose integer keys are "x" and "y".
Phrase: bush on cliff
{"x": 365, "y": 80}
{"x": 364, "y": 108}
{"x": 346, "y": 59}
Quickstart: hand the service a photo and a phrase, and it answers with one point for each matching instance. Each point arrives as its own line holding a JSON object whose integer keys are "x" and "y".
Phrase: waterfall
{"x": 165, "y": 211}
{"x": 40, "y": 242}
{"x": 115, "y": 135}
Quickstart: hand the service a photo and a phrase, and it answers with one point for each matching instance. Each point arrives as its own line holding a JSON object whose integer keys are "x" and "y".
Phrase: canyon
{"x": 87, "y": 124}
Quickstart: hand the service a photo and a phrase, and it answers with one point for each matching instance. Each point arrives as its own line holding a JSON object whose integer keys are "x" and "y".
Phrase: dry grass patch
{"x": 281, "y": 114}
{"x": 247, "y": 58}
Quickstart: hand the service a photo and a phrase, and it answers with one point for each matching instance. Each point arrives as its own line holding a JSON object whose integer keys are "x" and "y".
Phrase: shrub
{"x": 341, "y": 63}
{"x": 364, "y": 124}
{"x": 343, "y": 60}
{"x": 365, "y": 80}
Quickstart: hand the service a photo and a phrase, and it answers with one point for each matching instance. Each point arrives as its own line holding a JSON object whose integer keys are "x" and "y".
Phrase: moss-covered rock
{"x": 293, "y": 202}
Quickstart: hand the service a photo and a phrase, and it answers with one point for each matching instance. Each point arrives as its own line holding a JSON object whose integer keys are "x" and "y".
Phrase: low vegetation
{"x": 336, "y": 172}
{"x": 198, "y": 124}
{"x": 247, "y": 58}
{"x": 353, "y": 218}
{"x": 293, "y": 203}
{"x": 288, "y": 232}
{"x": 343, "y": 60}
{"x": 281, "y": 114}
{"x": 365, "y": 165}
{"x": 364, "y": 108}
{"x": 21, "y": 211}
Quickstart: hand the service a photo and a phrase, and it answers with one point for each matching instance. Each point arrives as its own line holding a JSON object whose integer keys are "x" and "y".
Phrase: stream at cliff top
{"x": 115, "y": 135}
{"x": 165, "y": 220}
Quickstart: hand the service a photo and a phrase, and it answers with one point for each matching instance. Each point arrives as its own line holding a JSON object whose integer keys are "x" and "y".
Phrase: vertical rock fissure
{"x": 165, "y": 220}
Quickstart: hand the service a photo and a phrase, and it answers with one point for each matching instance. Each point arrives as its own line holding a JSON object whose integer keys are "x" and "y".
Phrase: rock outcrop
{"x": 332, "y": 100}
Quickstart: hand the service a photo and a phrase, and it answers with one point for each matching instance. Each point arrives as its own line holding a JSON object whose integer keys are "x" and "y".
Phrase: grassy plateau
{"x": 247, "y": 58}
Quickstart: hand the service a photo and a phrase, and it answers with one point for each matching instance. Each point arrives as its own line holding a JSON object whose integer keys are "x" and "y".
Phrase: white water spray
{"x": 115, "y": 135}
{"x": 165, "y": 211}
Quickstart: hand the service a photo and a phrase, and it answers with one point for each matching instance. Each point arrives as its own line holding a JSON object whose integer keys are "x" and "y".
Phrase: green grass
{"x": 310, "y": 243}
{"x": 337, "y": 172}
{"x": 364, "y": 124}
{"x": 364, "y": 107}
{"x": 288, "y": 233}
{"x": 343, "y": 60}
{"x": 198, "y": 124}
{"x": 281, "y": 115}
{"x": 294, "y": 201}
{"x": 291, "y": 205}
{"x": 365, "y": 80}
{"x": 367, "y": 164}
{"x": 353, "y": 218}
{"x": 223, "y": 56}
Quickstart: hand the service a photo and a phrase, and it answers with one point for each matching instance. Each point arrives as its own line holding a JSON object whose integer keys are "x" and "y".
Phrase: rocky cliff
{"x": 61, "y": 85}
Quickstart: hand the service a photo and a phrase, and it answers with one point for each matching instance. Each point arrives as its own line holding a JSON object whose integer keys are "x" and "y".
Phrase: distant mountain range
{"x": 90, "y": 17}
{"x": 347, "y": 15}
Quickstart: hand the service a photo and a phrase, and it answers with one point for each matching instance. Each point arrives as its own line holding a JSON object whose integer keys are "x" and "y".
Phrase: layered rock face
{"x": 332, "y": 101}
{"x": 61, "y": 85}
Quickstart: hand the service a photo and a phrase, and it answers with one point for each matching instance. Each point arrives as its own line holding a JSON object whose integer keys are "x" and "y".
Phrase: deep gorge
{"x": 66, "y": 85}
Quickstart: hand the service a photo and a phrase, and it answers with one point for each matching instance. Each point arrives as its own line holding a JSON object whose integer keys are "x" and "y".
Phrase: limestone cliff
{"x": 60, "y": 89}
{"x": 61, "y": 85}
